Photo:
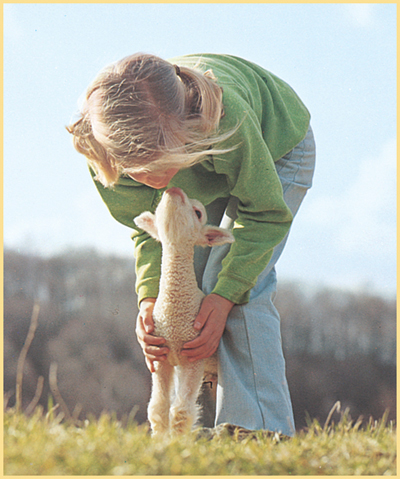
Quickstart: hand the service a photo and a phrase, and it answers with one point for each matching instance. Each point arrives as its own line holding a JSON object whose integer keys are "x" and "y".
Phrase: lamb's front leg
{"x": 184, "y": 409}
{"x": 159, "y": 405}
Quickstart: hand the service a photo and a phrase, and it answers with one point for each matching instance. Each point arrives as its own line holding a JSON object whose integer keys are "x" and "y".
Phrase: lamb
{"x": 179, "y": 223}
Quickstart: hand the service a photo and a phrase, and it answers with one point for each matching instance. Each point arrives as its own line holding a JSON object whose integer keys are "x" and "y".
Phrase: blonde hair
{"x": 143, "y": 114}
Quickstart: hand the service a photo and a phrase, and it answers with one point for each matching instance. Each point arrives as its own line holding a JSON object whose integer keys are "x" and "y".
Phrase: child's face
{"x": 155, "y": 181}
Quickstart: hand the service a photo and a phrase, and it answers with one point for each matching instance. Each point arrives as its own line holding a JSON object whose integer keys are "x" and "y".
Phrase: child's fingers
{"x": 197, "y": 342}
{"x": 150, "y": 340}
{"x": 151, "y": 345}
{"x": 148, "y": 323}
{"x": 203, "y": 315}
{"x": 154, "y": 352}
{"x": 144, "y": 334}
{"x": 155, "y": 358}
{"x": 145, "y": 318}
{"x": 146, "y": 314}
{"x": 212, "y": 305}
{"x": 201, "y": 352}
{"x": 150, "y": 365}
{"x": 211, "y": 320}
{"x": 204, "y": 345}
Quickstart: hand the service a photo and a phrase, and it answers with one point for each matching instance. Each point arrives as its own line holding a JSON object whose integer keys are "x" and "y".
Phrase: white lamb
{"x": 179, "y": 223}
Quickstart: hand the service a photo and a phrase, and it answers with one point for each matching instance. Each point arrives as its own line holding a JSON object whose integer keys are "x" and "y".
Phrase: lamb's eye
{"x": 198, "y": 214}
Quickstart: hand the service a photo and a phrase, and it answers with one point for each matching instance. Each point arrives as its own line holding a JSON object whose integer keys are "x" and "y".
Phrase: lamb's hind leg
{"x": 159, "y": 405}
{"x": 184, "y": 409}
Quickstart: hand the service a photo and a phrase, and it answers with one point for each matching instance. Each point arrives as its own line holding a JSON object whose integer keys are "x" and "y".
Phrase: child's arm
{"x": 125, "y": 201}
{"x": 263, "y": 218}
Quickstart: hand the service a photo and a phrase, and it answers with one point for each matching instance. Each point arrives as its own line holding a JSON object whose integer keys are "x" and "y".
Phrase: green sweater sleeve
{"x": 263, "y": 218}
{"x": 148, "y": 265}
{"x": 127, "y": 200}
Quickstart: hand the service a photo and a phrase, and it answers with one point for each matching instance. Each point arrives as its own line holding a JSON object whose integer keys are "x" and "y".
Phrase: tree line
{"x": 339, "y": 346}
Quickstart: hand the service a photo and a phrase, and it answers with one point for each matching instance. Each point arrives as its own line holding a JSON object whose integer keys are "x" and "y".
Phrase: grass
{"x": 44, "y": 445}
{"x": 59, "y": 444}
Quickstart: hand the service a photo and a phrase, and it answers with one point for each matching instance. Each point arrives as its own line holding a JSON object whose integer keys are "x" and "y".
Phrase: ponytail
{"x": 143, "y": 114}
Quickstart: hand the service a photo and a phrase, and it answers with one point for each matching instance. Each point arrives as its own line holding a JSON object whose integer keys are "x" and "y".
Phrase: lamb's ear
{"x": 146, "y": 221}
{"x": 215, "y": 236}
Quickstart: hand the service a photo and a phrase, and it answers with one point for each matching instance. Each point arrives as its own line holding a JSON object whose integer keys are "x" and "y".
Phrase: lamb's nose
{"x": 176, "y": 191}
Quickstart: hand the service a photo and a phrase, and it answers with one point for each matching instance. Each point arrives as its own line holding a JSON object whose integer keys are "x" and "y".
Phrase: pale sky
{"x": 340, "y": 59}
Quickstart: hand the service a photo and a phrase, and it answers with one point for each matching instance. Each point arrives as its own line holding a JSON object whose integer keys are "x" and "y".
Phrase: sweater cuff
{"x": 234, "y": 288}
{"x": 147, "y": 289}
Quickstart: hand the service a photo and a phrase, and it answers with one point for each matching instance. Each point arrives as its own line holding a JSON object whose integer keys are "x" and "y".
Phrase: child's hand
{"x": 151, "y": 345}
{"x": 211, "y": 319}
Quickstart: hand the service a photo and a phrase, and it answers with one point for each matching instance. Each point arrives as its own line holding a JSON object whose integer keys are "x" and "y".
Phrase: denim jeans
{"x": 252, "y": 390}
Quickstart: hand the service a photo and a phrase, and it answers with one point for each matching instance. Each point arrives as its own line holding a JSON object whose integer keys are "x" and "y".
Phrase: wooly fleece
{"x": 179, "y": 223}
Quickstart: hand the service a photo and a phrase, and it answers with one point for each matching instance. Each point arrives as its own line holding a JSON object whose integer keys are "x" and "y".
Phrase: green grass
{"x": 42, "y": 445}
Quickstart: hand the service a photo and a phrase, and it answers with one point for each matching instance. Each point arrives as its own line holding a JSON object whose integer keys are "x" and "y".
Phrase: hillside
{"x": 339, "y": 346}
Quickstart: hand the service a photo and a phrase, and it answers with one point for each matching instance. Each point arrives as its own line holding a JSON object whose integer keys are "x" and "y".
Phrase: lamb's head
{"x": 181, "y": 221}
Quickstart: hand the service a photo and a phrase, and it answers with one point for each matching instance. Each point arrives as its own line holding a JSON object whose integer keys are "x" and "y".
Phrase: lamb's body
{"x": 179, "y": 223}
{"x": 178, "y": 302}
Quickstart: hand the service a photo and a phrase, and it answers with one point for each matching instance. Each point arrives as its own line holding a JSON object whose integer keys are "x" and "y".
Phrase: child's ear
{"x": 146, "y": 221}
{"x": 215, "y": 236}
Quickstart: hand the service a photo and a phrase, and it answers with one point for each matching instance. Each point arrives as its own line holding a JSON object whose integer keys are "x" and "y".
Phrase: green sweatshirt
{"x": 274, "y": 121}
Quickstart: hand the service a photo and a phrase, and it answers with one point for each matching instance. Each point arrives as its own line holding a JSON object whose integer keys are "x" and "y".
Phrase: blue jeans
{"x": 252, "y": 390}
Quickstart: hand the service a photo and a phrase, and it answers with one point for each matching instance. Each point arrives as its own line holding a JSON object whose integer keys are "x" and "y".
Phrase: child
{"x": 238, "y": 139}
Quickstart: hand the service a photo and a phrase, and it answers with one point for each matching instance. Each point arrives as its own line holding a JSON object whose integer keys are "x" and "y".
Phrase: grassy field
{"x": 44, "y": 445}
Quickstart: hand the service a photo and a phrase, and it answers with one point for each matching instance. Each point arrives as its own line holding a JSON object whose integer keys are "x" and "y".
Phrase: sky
{"x": 340, "y": 58}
